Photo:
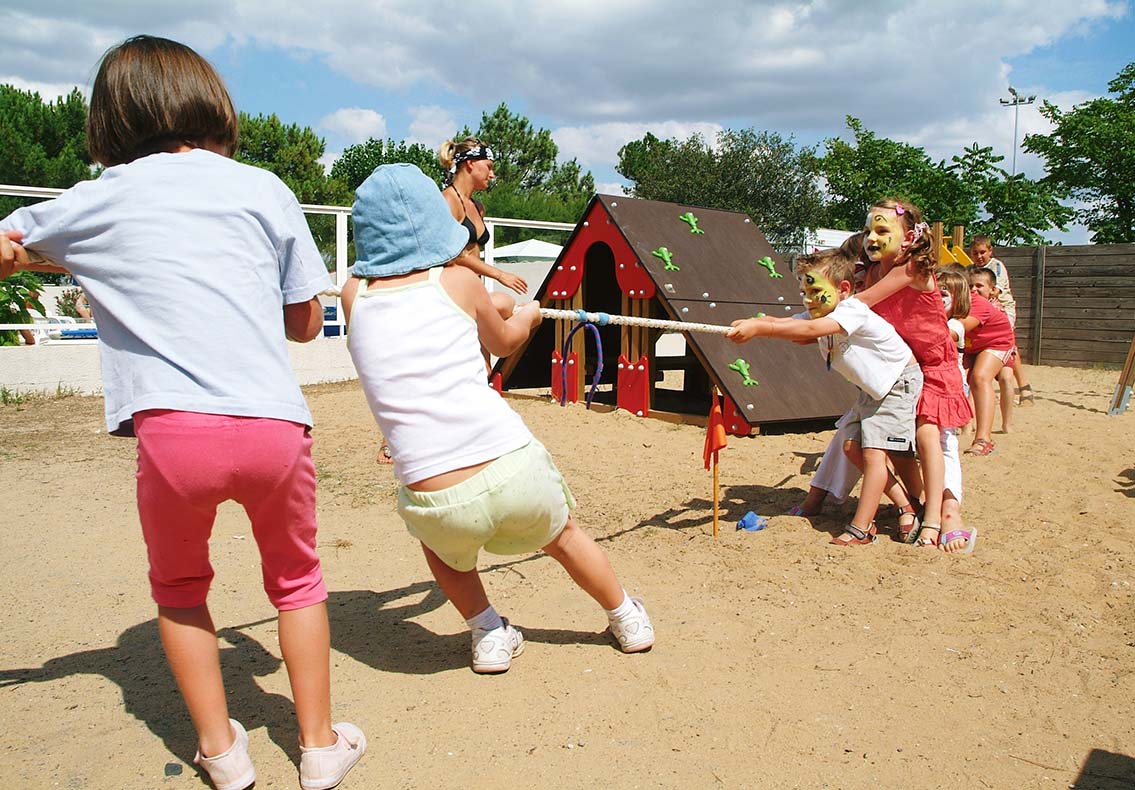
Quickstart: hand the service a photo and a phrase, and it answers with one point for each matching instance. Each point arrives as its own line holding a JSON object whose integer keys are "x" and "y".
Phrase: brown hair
{"x": 920, "y": 252}
{"x": 983, "y": 272}
{"x": 838, "y": 265}
{"x": 988, "y": 242}
{"x": 953, "y": 279}
{"x": 152, "y": 94}
{"x": 853, "y": 246}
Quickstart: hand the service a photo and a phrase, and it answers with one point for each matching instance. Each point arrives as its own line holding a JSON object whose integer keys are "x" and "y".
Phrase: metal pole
{"x": 1016, "y": 118}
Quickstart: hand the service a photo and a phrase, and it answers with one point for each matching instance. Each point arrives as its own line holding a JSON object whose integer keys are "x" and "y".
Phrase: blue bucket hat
{"x": 403, "y": 224}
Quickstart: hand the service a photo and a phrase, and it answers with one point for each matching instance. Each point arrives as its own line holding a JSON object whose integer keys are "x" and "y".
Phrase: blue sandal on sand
{"x": 970, "y": 536}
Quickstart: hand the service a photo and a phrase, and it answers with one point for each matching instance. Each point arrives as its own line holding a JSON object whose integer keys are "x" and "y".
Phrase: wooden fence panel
{"x": 1075, "y": 305}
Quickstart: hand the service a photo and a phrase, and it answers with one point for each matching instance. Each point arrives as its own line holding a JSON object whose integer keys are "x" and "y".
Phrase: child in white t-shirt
{"x": 868, "y": 352}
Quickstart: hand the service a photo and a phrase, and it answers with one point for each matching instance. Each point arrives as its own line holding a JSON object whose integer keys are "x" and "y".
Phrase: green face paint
{"x": 820, "y": 296}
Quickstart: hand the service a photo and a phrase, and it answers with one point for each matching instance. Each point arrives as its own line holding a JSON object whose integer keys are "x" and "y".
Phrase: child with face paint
{"x": 868, "y": 352}
{"x": 901, "y": 288}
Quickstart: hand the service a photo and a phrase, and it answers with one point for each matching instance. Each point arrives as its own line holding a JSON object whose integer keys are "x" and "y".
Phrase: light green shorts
{"x": 517, "y": 504}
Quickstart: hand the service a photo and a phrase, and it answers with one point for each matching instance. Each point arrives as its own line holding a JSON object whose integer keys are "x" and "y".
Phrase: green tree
{"x": 292, "y": 152}
{"x": 42, "y": 144}
{"x": 871, "y": 167}
{"x": 1090, "y": 153}
{"x": 15, "y": 298}
{"x": 759, "y": 173}
{"x": 1014, "y": 210}
{"x": 359, "y": 161}
{"x": 530, "y": 183}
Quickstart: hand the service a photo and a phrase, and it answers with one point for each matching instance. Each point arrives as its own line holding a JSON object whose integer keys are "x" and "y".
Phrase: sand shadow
{"x": 373, "y": 628}
{"x": 1126, "y": 481}
{"x": 137, "y": 665}
{"x": 1103, "y": 770}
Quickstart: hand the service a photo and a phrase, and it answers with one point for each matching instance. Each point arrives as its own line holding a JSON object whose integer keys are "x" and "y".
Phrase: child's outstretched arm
{"x": 14, "y": 258}
{"x": 783, "y": 328}
{"x": 498, "y": 335}
{"x": 303, "y": 320}
{"x": 891, "y": 283}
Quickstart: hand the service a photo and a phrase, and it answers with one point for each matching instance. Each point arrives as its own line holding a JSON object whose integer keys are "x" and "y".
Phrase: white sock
{"x": 487, "y": 620}
{"x": 624, "y": 609}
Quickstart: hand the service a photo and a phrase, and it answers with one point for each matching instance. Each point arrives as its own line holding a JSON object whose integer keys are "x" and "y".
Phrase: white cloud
{"x": 430, "y": 126}
{"x": 611, "y": 188}
{"x": 599, "y": 144}
{"x": 354, "y": 124}
{"x": 923, "y": 71}
{"x": 48, "y": 91}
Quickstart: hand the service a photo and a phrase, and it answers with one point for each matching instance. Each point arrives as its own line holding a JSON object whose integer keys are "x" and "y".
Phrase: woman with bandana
{"x": 469, "y": 168}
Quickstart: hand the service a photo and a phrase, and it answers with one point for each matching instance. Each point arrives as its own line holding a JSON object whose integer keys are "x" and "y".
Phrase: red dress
{"x": 920, "y": 319}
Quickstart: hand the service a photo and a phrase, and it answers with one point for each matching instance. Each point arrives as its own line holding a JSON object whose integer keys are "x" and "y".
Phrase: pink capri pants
{"x": 188, "y": 463}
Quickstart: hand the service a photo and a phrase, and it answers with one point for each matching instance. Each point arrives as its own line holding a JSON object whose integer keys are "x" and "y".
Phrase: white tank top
{"x": 420, "y": 365}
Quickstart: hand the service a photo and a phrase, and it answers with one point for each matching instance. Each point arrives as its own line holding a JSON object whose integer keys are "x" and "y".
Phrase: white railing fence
{"x": 341, "y": 214}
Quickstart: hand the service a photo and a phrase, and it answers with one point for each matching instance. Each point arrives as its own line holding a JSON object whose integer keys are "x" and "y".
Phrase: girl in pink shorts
{"x": 197, "y": 268}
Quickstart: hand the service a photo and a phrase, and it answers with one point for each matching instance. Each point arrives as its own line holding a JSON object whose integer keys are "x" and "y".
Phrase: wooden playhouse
{"x": 652, "y": 259}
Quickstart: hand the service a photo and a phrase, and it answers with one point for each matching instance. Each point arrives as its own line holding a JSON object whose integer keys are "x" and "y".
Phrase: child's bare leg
{"x": 190, "y": 643}
{"x": 873, "y": 462}
{"x": 952, "y": 520}
{"x": 985, "y": 369}
{"x": 1026, "y": 389}
{"x": 587, "y": 564}
{"x": 929, "y": 441}
{"x": 504, "y": 303}
{"x": 812, "y": 504}
{"x": 305, "y": 641}
{"x": 463, "y": 588}
{"x": 1005, "y": 384}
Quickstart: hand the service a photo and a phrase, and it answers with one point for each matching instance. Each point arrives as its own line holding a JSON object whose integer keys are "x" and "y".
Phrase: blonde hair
{"x": 449, "y": 150}
{"x": 838, "y": 265}
{"x": 920, "y": 252}
{"x": 152, "y": 94}
{"x": 954, "y": 280}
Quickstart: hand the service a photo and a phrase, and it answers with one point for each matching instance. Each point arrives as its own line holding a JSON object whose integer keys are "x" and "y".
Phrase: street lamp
{"x": 1016, "y": 103}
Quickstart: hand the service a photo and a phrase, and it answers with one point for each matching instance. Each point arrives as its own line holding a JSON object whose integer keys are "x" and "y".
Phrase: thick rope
{"x": 603, "y": 319}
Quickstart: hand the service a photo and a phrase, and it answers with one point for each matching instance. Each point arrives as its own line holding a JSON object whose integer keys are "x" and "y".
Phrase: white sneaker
{"x": 232, "y": 769}
{"x": 494, "y": 650}
{"x": 634, "y": 632}
{"x": 323, "y": 767}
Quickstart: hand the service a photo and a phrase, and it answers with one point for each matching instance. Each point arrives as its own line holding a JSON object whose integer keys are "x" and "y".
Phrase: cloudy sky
{"x": 928, "y": 72}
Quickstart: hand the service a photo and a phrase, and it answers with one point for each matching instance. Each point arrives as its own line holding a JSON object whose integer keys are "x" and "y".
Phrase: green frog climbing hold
{"x": 667, "y": 259}
{"x": 742, "y": 367}
{"x": 770, "y": 264}
{"x": 692, "y": 221}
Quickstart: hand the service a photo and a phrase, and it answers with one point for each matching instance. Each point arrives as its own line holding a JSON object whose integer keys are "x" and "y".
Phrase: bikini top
{"x": 481, "y": 240}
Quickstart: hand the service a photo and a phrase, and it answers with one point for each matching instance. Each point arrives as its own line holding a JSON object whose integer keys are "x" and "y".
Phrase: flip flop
{"x": 969, "y": 534}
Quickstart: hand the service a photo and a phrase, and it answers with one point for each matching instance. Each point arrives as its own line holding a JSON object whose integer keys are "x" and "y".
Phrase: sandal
{"x": 970, "y": 536}
{"x": 908, "y": 533}
{"x": 858, "y": 537}
{"x": 384, "y": 456}
{"x": 1025, "y": 395}
{"x": 928, "y": 541}
{"x": 980, "y": 447}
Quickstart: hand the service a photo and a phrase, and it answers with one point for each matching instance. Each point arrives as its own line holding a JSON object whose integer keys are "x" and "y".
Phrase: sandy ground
{"x": 781, "y": 661}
